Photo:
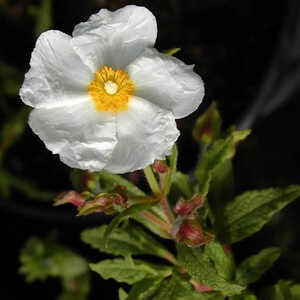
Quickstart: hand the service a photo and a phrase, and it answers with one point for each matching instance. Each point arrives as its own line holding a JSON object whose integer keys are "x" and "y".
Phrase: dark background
{"x": 248, "y": 56}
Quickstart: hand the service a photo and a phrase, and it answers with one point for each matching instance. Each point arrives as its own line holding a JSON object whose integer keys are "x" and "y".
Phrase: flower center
{"x": 111, "y": 89}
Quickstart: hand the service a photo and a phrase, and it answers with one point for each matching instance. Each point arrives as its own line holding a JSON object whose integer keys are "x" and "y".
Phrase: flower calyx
{"x": 188, "y": 207}
{"x": 160, "y": 166}
{"x": 108, "y": 203}
{"x": 190, "y": 232}
{"x": 71, "y": 197}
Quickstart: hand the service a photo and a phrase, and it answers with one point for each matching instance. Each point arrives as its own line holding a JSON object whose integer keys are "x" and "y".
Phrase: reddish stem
{"x": 156, "y": 221}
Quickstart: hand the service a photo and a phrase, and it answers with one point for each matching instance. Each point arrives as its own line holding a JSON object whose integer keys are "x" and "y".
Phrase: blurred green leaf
{"x": 208, "y": 126}
{"x": 42, "y": 15}
{"x": 201, "y": 268}
{"x": 220, "y": 151}
{"x": 283, "y": 290}
{"x": 75, "y": 288}
{"x": 126, "y": 240}
{"x": 43, "y": 258}
{"x": 181, "y": 182}
{"x": 122, "y": 294}
{"x": 172, "y": 170}
{"x": 129, "y": 271}
{"x": 11, "y": 80}
{"x": 252, "y": 268}
{"x": 250, "y": 211}
{"x": 12, "y": 130}
{"x": 171, "y": 51}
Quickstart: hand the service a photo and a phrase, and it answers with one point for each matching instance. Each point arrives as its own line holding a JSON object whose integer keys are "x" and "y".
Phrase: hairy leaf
{"x": 248, "y": 212}
{"x": 126, "y": 240}
{"x": 251, "y": 269}
{"x": 129, "y": 271}
{"x": 201, "y": 268}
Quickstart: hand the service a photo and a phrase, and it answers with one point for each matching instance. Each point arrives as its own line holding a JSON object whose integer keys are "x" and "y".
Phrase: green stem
{"x": 152, "y": 181}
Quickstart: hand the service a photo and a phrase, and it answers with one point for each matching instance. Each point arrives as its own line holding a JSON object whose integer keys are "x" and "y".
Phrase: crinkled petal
{"x": 166, "y": 81}
{"x": 57, "y": 75}
{"x": 83, "y": 138}
{"x": 145, "y": 132}
{"x": 115, "y": 38}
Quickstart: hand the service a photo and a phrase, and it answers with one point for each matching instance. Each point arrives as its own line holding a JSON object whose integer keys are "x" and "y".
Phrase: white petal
{"x": 115, "y": 38}
{"x": 145, "y": 132}
{"x": 57, "y": 74}
{"x": 83, "y": 137}
{"x": 166, "y": 81}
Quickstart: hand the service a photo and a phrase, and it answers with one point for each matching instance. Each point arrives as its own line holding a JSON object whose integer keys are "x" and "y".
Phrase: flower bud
{"x": 187, "y": 207}
{"x": 160, "y": 166}
{"x": 191, "y": 233}
{"x": 104, "y": 202}
{"x": 72, "y": 197}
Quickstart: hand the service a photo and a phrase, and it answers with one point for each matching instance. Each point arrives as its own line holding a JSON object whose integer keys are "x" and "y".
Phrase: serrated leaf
{"x": 144, "y": 288}
{"x": 109, "y": 182}
{"x": 252, "y": 268}
{"x": 178, "y": 288}
{"x": 131, "y": 211}
{"x": 208, "y": 125}
{"x": 181, "y": 182}
{"x": 200, "y": 267}
{"x": 223, "y": 262}
{"x": 126, "y": 240}
{"x": 250, "y": 211}
{"x": 220, "y": 151}
{"x": 122, "y": 294}
{"x": 129, "y": 271}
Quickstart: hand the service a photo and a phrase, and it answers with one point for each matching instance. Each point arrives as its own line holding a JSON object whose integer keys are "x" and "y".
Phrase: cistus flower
{"x": 104, "y": 98}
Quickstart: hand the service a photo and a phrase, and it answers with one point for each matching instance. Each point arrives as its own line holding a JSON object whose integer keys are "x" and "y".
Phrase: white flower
{"x": 104, "y": 98}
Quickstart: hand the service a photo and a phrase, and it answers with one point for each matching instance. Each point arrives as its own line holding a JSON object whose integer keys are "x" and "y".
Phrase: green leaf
{"x": 42, "y": 258}
{"x": 129, "y": 271}
{"x": 250, "y": 211}
{"x": 75, "y": 288}
{"x": 283, "y": 290}
{"x": 43, "y": 16}
{"x": 220, "y": 151}
{"x": 208, "y": 125}
{"x": 126, "y": 240}
{"x": 178, "y": 288}
{"x": 181, "y": 182}
{"x": 144, "y": 288}
{"x": 244, "y": 296}
{"x": 12, "y": 130}
{"x": 109, "y": 182}
{"x": 221, "y": 188}
{"x": 223, "y": 262}
{"x": 122, "y": 294}
{"x": 172, "y": 170}
{"x": 201, "y": 268}
{"x": 252, "y": 268}
{"x": 132, "y": 210}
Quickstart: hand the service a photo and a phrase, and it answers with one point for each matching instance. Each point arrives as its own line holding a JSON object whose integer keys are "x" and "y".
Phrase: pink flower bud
{"x": 69, "y": 197}
{"x": 187, "y": 207}
{"x": 191, "y": 233}
{"x": 160, "y": 166}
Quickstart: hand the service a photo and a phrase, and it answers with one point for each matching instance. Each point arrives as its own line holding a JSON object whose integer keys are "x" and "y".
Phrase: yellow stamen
{"x": 111, "y": 89}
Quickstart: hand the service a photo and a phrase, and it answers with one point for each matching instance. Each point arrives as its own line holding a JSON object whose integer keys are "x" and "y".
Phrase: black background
{"x": 247, "y": 54}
